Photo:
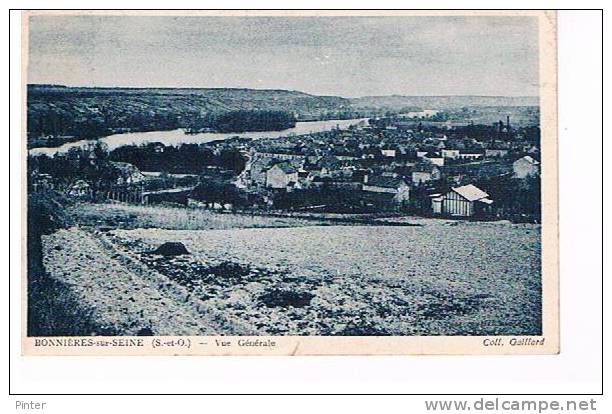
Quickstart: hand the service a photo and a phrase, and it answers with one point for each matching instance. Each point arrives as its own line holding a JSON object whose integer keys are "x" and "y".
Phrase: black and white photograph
{"x": 263, "y": 177}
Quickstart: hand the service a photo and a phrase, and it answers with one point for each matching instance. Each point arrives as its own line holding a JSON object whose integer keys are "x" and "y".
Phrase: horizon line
{"x": 273, "y": 89}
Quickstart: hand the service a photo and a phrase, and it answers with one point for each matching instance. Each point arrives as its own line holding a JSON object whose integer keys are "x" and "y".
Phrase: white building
{"x": 496, "y": 152}
{"x": 389, "y": 185}
{"x": 526, "y": 167}
{"x": 435, "y": 158}
{"x": 425, "y": 172}
{"x": 281, "y": 175}
{"x": 464, "y": 201}
{"x": 471, "y": 156}
{"x": 450, "y": 153}
{"x": 388, "y": 153}
{"x": 79, "y": 188}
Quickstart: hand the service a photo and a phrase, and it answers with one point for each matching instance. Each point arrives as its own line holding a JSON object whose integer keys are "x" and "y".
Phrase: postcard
{"x": 289, "y": 183}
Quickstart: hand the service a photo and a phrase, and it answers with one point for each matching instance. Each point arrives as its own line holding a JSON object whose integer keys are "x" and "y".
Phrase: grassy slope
{"x": 53, "y": 308}
{"x": 125, "y": 216}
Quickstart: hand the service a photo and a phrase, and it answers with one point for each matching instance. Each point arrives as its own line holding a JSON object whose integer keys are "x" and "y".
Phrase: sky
{"x": 343, "y": 56}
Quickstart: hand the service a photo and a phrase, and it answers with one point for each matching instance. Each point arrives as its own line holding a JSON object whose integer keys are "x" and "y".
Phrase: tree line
{"x": 84, "y": 120}
{"x": 182, "y": 159}
{"x": 243, "y": 121}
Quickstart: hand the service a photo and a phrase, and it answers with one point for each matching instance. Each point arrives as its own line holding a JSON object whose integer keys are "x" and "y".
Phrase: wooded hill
{"x": 61, "y": 111}
{"x": 91, "y": 112}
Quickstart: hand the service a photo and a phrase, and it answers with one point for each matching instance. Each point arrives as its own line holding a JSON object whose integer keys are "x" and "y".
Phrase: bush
{"x": 47, "y": 212}
{"x": 279, "y": 298}
{"x": 171, "y": 249}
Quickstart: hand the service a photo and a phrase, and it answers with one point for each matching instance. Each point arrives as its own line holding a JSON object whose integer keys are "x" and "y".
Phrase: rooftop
{"x": 470, "y": 192}
{"x": 386, "y": 182}
{"x": 425, "y": 167}
{"x": 530, "y": 160}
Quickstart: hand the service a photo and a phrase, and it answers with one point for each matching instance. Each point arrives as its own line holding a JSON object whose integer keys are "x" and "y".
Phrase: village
{"x": 411, "y": 164}
{"x": 358, "y": 182}
{"x": 222, "y": 221}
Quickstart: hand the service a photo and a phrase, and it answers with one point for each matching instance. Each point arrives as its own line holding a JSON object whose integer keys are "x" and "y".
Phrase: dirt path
{"x": 124, "y": 295}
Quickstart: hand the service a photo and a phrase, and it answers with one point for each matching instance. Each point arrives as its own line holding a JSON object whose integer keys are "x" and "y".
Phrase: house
{"x": 256, "y": 169}
{"x": 434, "y": 158}
{"x": 294, "y": 185}
{"x": 388, "y": 153}
{"x": 440, "y": 145}
{"x": 126, "y": 173}
{"x": 450, "y": 153}
{"x": 496, "y": 152}
{"x": 389, "y": 185}
{"x": 79, "y": 189}
{"x": 281, "y": 175}
{"x": 425, "y": 172}
{"x": 436, "y": 203}
{"x": 470, "y": 155}
{"x": 159, "y": 148}
{"x": 318, "y": 181}
{"x": 281, "y": 156}
{"x": 328, "y": 163}
{"x": 526, "y": 167}
{"x": 465, "y": 201}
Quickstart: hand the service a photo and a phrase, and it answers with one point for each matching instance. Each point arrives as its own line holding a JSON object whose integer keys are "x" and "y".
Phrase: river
{"x": 178, "y": 136}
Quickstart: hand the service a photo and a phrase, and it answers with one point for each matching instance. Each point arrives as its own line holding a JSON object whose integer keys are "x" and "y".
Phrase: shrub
{"x": 171, "y": 249}
{"x": 279, "y": 298}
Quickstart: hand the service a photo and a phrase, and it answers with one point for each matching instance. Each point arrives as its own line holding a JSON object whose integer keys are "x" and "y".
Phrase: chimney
{"x": 508, "y": 122}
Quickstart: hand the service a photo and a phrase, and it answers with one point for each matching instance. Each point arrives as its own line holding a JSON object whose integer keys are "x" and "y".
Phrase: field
{"x": 288, "y": 277}
{"x": 126, "y": 216}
